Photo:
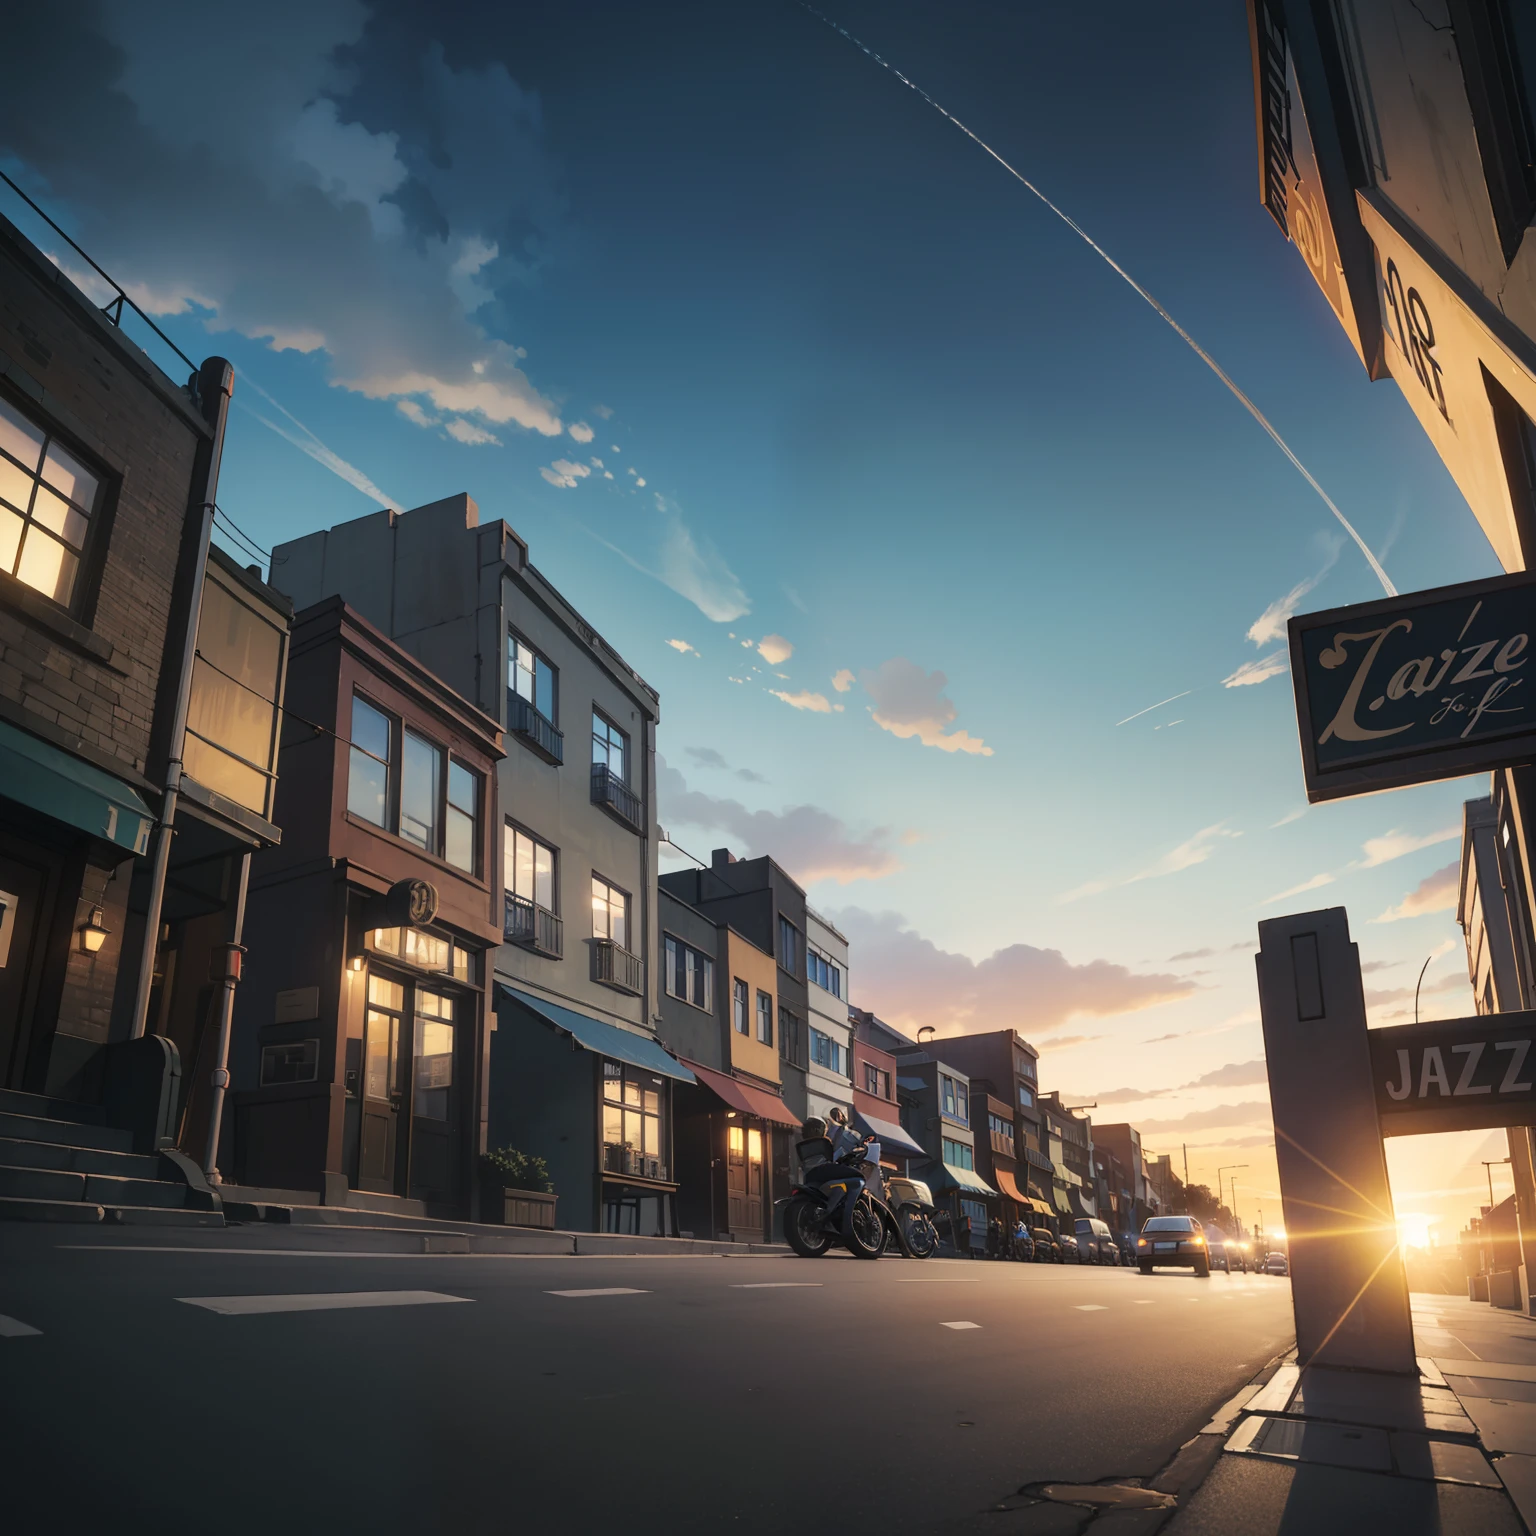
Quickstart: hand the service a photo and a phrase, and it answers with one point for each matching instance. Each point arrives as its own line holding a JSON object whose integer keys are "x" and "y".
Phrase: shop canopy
{"x": 1040, "y": 1208}
{"x": 601, "y": 1038}
{"x": 1063, "y": 1205}
{"x": 891, "y": 1137}
{"x": 1005, "y": 1182}
{"x": 47, "y": 779}
{"x": 746, "y": 1097}
{"x": 963, "y": 1179}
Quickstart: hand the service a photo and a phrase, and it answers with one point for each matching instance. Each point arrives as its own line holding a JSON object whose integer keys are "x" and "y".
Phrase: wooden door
{"x": 21, "y": 899}
{"x": 381, "y": 1087}
{"x": 754, "y": 1203}
{"x": 736, "y": 1175}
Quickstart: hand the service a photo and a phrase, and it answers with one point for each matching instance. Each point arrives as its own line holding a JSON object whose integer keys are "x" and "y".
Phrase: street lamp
{"x": 1229, "y": 1168}
{"x": 1488, "y": 1167}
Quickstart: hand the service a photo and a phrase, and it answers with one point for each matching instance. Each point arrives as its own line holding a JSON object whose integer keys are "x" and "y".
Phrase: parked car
{"x": 1047, "y": 1251}
{"x": 1276, "y": 1264}
{"x": 1177, "y": 1241}
{"x": 1095, "y": 1242}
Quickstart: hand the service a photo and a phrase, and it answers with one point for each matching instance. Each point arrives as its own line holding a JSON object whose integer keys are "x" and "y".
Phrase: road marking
{"x": 605, "y": 1290}
{"x": 320, "y": 1301}
{"x": 1090, "y": 1307}
{"x": 1145, "y": 1301}
{"x": 940, "y": 1280}
{"x": 959, "y": 1325}
{"x": 778, "y": 1285}
{"x": 13, "y": 1328}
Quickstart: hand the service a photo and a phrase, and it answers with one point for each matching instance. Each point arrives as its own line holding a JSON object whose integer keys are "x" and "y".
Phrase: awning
{"x": 47, "y": 779}
{"x": 1041, "y": 1208}
{"x": 1063, "y": 1205}
{"x": 890, "y": 1135}
{"x": 1005, "y": 1183}
{"x": 1039, "y": 1160}
{"x": 951, "y": 1177}
{"x": 750, "y": 1100}
{"x": 603, "y": 1039}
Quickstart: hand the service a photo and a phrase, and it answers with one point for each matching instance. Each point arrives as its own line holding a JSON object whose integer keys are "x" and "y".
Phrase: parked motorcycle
{"x": 833, "y": 1203}
{"x": 911, "y": 1203}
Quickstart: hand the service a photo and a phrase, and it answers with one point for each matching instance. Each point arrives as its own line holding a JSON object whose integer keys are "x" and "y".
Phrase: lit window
{"x": 610, "y": 913}
{"x": 47, "y": 499}
{"x": 528, "y": 869}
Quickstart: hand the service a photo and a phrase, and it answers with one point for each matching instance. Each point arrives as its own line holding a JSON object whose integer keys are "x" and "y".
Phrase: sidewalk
{"x": 1453, "y": 1454}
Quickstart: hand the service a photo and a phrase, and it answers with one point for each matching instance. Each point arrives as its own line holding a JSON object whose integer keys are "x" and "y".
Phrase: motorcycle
{"x": 911, "y": 1203}
{"x": 833, "y": 1203}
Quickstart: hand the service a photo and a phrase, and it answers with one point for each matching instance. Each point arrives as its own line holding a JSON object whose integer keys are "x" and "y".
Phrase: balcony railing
{"x": 632, "y": 1164}
{"x": 614, "y": 966}
{"x": 534, "y": 927}
{"x": 525, "y": 721}
{"x": 614, "y": 795}
{"x": 1002, "y": 1144}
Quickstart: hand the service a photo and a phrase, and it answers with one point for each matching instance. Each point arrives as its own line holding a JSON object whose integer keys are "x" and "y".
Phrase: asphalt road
{"x": 712, "y": 1394}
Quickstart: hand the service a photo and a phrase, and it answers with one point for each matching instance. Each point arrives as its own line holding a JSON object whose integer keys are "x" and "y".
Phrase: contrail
{"x": 1150, "y": 707}
{"x": 1082, "y": 234}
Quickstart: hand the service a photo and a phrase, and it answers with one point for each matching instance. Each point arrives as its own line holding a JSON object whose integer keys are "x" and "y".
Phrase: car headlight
{"x": 1141, "y": 1242}
{"x": 1198, "y": 1241}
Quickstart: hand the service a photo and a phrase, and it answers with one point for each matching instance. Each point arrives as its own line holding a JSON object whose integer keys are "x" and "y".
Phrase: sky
{"x": 962, "y": 579}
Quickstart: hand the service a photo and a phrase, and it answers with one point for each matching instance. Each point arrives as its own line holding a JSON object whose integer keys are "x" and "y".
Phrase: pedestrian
{"x": 1018, "y": 1238}
{"x": 992, "y": 1238}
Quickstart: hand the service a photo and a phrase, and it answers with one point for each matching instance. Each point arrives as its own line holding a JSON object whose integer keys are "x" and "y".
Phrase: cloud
{"x": 1438, "y": 892}
{"x": 1251, "y": 1112}
{"x": 1289, "y": 817}
{"x": 817, "y": 703}
{"x": 812, "y": 844}
{"x": 1315, "y": 883}
{"x": 1127, "y": 1095}
{"x": 707, "y": 757}
{"x": 581, "y": 432}
{"x": 1248, "y": 1016}
{"x": 1070, "y": 1042}
{"x": 1394, "y": 845}
{"x": 842, "y": 680}
{"x": 683, "y": 647}
{"x": 1259, "y": 670}
{"x": 1271, "y": 624}
{"x": 1194, "y": 850}
{"x": 796, "y": 599}
{"x": 565, "y": 472}
{"x": 694, "y": 569}
{"x": 413, "y": 412}
{"x": 775, "y": 650}
{"x": 605, "y": 412}
{"x": 910, "y": 981}
{"x": 467, "y": 432}
{"x": 1236, "y": 1074}
{"x": 274, "y": 172}
{"x": 910, "y": 702}
{"x": 1191, "y": 954}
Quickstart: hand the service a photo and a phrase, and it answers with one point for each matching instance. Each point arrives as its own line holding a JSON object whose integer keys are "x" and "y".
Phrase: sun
{"x": 1413, "y": 1230}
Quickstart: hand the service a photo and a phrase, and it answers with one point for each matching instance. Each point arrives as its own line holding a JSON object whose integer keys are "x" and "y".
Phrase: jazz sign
{"x": 1426, "y": 686}
{"x": 1455, "y": 1074}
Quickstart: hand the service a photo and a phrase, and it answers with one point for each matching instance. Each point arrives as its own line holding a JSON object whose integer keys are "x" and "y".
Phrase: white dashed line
{"x": 13, "y": 1328}
{"x": 1090, "y": 1308}
{"x": 959, "y": 1325}
{"x": 940, "y": 1280}
{"x": 323, "y": 1301}
{"x": 777, "y": 1285}
{"x": 606, "y": 1290}
{"x": 1145, "y": 1301}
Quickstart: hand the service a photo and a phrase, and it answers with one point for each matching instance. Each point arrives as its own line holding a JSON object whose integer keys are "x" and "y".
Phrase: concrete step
{"x": 15, "y": 1209}
{"x": 42, "y": 1184}
{"x": 161, "y": 1216}
{"x": 38, "y": 1105}
{"x": 115, "y": 1191}
{"x": 26, "y": 1127}
{"x": 55, "y": 1154}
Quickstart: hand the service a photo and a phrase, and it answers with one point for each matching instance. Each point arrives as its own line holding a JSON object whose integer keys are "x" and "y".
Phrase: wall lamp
{"x": 93, "y": 932}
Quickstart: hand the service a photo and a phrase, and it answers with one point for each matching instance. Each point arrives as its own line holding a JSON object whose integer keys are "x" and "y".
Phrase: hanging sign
{"x": 1455, "y": 1074}
{"x": 1429, "y": 685}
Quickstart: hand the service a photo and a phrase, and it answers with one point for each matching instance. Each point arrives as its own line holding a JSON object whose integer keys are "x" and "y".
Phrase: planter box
{"x": 528, "y": 1208}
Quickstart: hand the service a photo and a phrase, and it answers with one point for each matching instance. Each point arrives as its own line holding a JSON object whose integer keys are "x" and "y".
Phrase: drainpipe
{"x": 233, "y": 951}
{"x": 216, "y": 383}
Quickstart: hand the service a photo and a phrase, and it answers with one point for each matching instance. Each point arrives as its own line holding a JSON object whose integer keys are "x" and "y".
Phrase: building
{"x": 877, "y": 1107}
{"x": 1070, "y": 1148}
{"x": 360, "y": 1048}
{"x": 718, "y": 1008}
{"x": 124, "y": 718}
{"x": 829, "y": 1069}
{"x": 576, "y": 1075}
{"x": 1119, "y": 1152}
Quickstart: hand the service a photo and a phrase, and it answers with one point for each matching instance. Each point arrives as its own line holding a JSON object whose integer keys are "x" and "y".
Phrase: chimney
{"x": 720, "y": 857}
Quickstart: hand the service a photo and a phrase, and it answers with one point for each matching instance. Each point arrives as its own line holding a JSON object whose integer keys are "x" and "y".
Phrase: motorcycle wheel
{"x": 921, "y": 1235}
{"x": 864, "y": 1232}
{"x": 800, "y": 1231}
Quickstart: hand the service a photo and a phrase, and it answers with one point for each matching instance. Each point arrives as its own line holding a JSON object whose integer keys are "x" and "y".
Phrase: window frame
{"x": 793, "y": 1046}
{"x": 826, "y": 974}
{"x": 628, "y": 899}
{"x": 797, "y": 943}
{"x": 514, "y": 830}
{"x": 741, "y": 1007}
{"x": 606, "y": 761}
{"x": 391, "y": 764}
{"x": 515, "y": 637}
{"x": 476, "y": 816}
{"x": 622, "y": 1074}
{"x": 676, "y": 955}
{"x": 763, "y": 1015}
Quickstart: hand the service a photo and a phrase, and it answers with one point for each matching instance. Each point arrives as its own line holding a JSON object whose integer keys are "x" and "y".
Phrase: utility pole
{"x": 1488, "y": 1167}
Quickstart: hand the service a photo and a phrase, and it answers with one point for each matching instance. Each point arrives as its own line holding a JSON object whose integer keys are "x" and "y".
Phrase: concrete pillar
{"x": 1347, "y": 1279}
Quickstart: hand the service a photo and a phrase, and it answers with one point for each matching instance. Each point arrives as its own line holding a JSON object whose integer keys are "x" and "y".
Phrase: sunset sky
{"x": 963, "y": 581}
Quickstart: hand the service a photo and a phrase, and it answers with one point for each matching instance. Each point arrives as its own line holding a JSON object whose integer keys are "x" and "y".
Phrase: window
{"x": 610, "y": 912}
{"x": 47, "y": 500}
{"x": 462, "y": 833}
{"x": 1026, "y": 1097}
{"x": 528, "y": 869}
{"x": 789, "y": 946}
{"x": 791, "y": 1038}
{"x": 764, "y": 1019}
{"x": 610, "y": 748}
{"x": 826, "y": 1052}
{"x": 959, "y": 1155}
{"x": 432, "y": 1076}
{"x": 368, "y": 772}
{"x": 876, "y": 1081}
{"x": 296, "y": 1063}
{"x": 952, "y": 1099}
{"x": 822, "y": 971}
{"x": 739, "y": 996}
{"x": 633, "y": 1105}
{"x": 421, "y": 775}
{"x": 690, "y": 974}
{"x": 530, "y": 677}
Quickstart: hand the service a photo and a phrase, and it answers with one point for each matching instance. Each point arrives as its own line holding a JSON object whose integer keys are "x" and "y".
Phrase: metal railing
{"x": 632, "y": 1164}
{"x": 615, "y": 966}
{"x": 613, "y": 794}
{"x": 532, "y": 926}
{"x": 540, "y": 734}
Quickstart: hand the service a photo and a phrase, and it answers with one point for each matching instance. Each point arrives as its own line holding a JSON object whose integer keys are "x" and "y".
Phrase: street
{"x": 685, "y": 1393}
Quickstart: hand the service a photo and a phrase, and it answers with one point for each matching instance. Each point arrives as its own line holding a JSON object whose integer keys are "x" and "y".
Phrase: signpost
{"x": 1410, "y": 689}
{"x": 1455, "y": 1074}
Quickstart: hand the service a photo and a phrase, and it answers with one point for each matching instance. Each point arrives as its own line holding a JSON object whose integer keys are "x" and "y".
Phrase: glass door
{"x": 378, "y": 1151}
{"x": 433, "y": 1099}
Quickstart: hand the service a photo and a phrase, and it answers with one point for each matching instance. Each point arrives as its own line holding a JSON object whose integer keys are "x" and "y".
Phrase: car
{"x": 1173, "y": 1241}
{"x": 1227, "y": 1253}
{"x": 1047, "y": 1250}
{"x": 1276, "y": 1264}
{"x": 1239, "y": 1255}
{"x": 1095, "y": 1242}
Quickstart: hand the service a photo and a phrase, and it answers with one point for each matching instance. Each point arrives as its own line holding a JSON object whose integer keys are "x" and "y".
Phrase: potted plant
{"x": 516, "y": 1189}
